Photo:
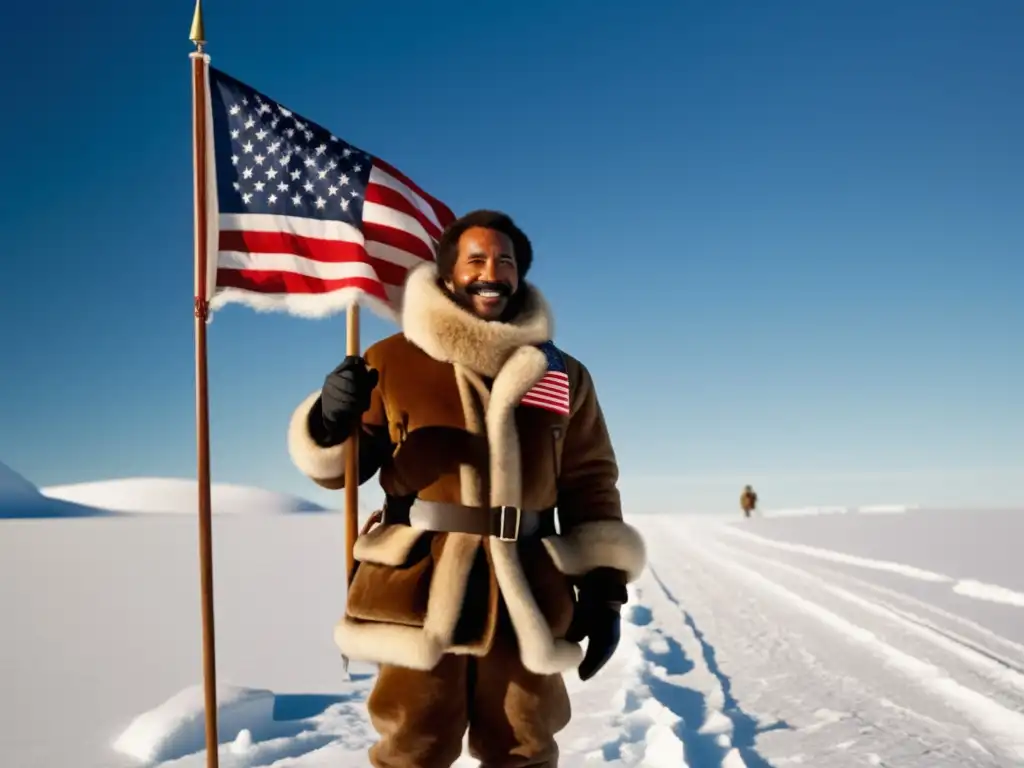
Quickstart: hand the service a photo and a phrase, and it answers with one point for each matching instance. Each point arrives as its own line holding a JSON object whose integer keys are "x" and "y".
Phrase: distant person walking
{"x": 748, "y": 501}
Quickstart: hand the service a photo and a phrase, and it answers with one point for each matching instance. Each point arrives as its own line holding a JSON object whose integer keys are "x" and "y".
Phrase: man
{"x": 465, "y": 594}
{"x": 748, "y": 501}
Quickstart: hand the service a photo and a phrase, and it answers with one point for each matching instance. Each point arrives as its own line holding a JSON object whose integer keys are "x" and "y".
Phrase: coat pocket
{"x": 393, "y": 594}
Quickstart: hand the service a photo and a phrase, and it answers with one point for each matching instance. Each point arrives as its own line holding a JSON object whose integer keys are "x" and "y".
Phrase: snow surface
{"x": 828, "y": 640}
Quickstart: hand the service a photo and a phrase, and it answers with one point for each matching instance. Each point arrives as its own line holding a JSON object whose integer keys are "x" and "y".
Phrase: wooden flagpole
{"x": 198, "y": 37}
{"x": 352, "y": 456}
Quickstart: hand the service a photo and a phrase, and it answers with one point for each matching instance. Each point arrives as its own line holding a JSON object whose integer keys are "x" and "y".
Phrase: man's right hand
{"x": 346, "y": 394}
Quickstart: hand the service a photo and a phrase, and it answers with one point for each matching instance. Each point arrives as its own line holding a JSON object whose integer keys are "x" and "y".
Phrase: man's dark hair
{"x": 448, "y": 245}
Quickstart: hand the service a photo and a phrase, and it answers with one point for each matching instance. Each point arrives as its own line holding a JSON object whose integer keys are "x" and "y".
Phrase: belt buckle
{"x": 502, "y": 527}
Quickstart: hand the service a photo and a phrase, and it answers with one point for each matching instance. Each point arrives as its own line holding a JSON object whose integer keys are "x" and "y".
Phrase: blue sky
{"x": 787, "y": 238}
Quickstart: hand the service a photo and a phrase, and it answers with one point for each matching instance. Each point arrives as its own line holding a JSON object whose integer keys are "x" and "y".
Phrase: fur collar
{"x": 450, "y": 334}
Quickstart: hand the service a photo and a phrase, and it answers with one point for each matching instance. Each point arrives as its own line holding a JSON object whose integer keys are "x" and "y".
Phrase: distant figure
{"x": 748, "y": 500}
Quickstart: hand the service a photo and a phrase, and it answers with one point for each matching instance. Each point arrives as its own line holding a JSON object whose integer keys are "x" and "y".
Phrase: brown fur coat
{"x": 447, "y": 395}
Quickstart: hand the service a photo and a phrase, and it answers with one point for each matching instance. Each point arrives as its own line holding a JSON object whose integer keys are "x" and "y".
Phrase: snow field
{"x": 836, "y": 640}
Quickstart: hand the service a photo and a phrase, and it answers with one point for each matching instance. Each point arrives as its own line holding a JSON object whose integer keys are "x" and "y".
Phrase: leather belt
{"x": 504, "y": 523}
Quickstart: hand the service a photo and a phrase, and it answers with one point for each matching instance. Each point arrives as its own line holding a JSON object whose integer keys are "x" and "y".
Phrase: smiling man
{"x": 467, "y": 593}
{"x": 485, "y": 274}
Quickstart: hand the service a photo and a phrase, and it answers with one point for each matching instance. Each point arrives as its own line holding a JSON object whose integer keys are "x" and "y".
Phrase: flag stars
{"x": 292, "y": 166}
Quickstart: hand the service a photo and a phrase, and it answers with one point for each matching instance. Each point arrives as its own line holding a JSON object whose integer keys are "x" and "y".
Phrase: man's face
{"x": 485, "y": 274}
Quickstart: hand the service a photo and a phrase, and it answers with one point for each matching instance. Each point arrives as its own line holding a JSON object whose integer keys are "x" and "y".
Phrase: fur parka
{"x": 448, "y": 398}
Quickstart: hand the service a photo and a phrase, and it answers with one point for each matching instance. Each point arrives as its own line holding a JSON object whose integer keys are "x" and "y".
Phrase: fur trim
{"x": 447, "y": 332}
{"x": 599, "y": 544}
{"x": 387, "y": 644}
{"x": 540, "y": 652}
{"x": 314, "y": 461}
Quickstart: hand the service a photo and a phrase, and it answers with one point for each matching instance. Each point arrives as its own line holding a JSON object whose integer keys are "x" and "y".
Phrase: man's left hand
{"x": 601, "y": 624}
{"x": 597, "y": 618}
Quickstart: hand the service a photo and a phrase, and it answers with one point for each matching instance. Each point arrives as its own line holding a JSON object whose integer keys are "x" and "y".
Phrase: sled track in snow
{"x": 1015, "y": 664}
{"x": 985, "y": 663}
{"x": 984, "y": 686}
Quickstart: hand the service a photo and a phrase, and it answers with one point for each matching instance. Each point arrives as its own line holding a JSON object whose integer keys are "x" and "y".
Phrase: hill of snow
{"x": 173, "y": 495}
{"x": 20, "y": 498}
{"x": 821, "y": 640}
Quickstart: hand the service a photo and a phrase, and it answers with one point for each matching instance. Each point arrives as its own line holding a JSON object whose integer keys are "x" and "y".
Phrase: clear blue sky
{"x": 787, "y": 238}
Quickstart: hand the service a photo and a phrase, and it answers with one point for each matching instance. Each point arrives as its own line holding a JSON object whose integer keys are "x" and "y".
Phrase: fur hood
{"x": 432, "y": 321}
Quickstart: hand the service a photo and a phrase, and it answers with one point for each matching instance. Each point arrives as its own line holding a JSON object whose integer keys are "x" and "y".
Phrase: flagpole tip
{"x": 198, "y": 33}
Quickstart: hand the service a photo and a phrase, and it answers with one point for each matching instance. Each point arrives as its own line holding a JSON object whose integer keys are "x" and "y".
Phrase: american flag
{"x": 552, "y": 391}
{"x": 306, "y": 222}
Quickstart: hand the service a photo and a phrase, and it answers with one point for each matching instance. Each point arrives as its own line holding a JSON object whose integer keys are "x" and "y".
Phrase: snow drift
{"x": 176, "y": 496}
{"x": 871, "y": 509}
{"x": 20, "y": 498}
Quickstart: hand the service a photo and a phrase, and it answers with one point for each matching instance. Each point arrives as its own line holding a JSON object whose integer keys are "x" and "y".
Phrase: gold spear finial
{"x": 198, "y": 33}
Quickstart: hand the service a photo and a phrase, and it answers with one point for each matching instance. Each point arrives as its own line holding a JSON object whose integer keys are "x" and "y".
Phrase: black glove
{"x": 346, "y": 396}
{"x": 601, "y": 595}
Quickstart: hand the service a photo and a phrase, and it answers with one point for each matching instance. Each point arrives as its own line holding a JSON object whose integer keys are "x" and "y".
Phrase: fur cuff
{"x": 599, "y": 544}
{"x": 314, "y": 461}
